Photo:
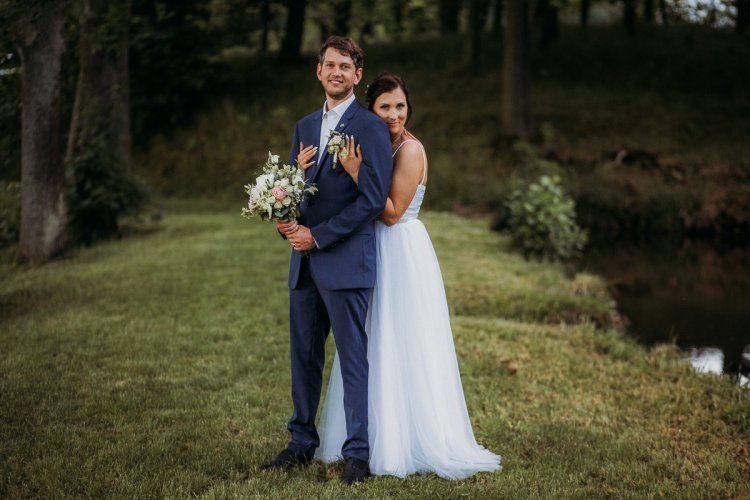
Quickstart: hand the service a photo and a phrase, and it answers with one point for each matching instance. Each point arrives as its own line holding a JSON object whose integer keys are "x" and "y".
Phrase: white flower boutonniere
{"x": 336, "y": 143}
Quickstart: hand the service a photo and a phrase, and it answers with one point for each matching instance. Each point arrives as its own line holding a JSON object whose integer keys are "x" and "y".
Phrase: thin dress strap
{"x": 424, "y": 158}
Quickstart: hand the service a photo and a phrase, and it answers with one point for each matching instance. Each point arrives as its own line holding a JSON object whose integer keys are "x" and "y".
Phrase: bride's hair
{"x": 386, "y": 82}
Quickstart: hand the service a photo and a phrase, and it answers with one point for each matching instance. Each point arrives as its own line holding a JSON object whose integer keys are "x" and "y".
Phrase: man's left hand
{"x": 302, "y": 239}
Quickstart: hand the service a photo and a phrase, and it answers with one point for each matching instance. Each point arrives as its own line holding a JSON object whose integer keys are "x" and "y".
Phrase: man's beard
{"x": 341, "y": 94}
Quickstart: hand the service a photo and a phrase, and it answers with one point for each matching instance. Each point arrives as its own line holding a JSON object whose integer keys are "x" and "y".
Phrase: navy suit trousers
{"x": 313, "y": 312}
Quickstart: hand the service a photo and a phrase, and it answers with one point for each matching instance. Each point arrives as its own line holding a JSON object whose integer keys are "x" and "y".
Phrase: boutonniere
{"x": 336, "y": 143}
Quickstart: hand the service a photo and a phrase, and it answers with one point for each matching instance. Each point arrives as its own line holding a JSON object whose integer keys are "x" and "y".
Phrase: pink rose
{"x": 279, "y": 193}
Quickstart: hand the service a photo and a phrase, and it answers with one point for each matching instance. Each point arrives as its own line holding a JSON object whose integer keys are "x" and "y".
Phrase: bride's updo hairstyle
{"x": 386, "y": 82}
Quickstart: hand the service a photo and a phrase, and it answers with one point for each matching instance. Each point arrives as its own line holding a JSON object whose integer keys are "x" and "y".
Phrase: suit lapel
{"x": 341, "y": 127}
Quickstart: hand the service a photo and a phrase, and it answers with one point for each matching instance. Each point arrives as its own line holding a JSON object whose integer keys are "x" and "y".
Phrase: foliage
{"x": 101, "y": 192}
{"x": 10, "y": 212}
{"x": 542, "y": 220}
{"x": 10, "y": 115}
{"x": 169, "y": 376}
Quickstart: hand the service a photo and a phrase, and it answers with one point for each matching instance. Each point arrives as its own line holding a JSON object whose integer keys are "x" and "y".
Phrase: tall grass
{"x": 157, "y": 366}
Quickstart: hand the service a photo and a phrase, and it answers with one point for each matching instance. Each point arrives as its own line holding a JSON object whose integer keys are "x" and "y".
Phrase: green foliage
{"x": 10, "y": 115}
{"x": 542, "y": 220}
{"x": 102, "y": 191}
{"x": 10, "y": 212}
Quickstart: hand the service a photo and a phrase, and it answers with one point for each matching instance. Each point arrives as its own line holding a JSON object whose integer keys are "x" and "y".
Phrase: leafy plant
{"x": 10, "y": 212}
{"x": 542, "y": 220}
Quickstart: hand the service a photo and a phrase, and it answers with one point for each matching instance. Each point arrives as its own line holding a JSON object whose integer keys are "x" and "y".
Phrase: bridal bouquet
{"x": 277, "y": 192}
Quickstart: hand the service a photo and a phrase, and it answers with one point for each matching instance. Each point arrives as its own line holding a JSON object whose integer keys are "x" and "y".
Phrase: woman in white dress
{"x": 418, "y": 421}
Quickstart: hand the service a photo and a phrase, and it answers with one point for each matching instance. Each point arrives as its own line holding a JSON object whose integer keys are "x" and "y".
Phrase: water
{"x": 694, "y": 294}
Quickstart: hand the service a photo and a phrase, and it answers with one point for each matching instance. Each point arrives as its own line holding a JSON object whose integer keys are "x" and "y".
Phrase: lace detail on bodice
{"x": 412, "y": 212}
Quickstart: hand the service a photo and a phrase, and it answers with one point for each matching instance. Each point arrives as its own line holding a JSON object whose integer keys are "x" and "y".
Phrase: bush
{"x": 542, "y": 220}
{"x": 10, "y": 213}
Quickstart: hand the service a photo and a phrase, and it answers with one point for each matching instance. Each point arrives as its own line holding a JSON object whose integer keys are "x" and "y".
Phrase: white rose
{"x": 274, "y": 159}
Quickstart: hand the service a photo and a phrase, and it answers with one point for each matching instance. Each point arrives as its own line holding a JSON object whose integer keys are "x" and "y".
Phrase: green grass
{"x": 157, "y": 366}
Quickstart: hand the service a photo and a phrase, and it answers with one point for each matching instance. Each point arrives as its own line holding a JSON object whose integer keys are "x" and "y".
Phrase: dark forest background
{"x": 642, "y": 108}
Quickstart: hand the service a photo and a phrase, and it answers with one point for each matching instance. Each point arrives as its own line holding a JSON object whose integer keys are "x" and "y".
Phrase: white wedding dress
{"x": 418, "y": 421}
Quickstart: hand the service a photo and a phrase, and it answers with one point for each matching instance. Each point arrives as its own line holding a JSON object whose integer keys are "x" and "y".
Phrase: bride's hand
{"x": 353, "y": 159}
{"x": 306, "y": 156}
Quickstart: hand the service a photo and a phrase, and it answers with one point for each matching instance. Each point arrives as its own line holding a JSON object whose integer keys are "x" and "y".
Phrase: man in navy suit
{"x": 330, "y": 287}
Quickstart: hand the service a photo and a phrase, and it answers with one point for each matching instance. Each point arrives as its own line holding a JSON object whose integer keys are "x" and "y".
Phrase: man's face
{"x": 337, "y": 74}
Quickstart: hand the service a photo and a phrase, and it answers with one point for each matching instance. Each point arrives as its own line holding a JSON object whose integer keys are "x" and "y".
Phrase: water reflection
{"x": 693, "y": 294}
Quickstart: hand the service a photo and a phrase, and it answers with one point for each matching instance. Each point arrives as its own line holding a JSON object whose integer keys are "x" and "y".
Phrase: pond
{"x": 693, "y": 294}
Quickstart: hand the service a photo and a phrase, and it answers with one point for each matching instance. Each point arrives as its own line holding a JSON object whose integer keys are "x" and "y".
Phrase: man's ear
{"x": 358, "y": 76}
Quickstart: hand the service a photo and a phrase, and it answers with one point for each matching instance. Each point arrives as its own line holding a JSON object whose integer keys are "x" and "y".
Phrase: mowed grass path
{"x": 157, "y": 366}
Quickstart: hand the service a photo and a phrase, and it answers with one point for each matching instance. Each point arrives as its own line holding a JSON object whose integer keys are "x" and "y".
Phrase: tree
{"x": 516, "y": 118}
{"x": 37, "y": 28}
{"x": 449, "y": 10}
{"x": 628, "y": 17}
{"x": 99, "y": 141}
{"x": 648, "y": 11}
{"x": 476, "y": 23}
{"x": 295, "y": 24}
{"x": 497, "y": 16}
{"x": 585, "y": 9}
{"x": 341, "y": 15}
{"x": 743, "y": 16}
{"x": 547, "y": 18}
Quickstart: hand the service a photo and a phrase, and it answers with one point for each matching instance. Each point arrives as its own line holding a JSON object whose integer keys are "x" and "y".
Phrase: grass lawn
{"x": 157, "y": 366}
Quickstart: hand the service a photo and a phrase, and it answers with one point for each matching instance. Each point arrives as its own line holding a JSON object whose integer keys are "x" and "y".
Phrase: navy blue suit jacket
{"x": 341, "y": 214}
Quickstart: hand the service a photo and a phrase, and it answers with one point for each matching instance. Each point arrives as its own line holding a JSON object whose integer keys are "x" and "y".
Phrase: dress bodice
{"x": 412, "y": 212}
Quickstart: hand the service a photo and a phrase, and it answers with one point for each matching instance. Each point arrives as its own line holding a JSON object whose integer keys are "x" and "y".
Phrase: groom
{"x": 331, "y": 287}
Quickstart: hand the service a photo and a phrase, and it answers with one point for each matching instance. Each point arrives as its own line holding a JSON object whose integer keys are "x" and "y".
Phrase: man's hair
{"x": 387, "y": 82}
{"x": 344, "y": 45}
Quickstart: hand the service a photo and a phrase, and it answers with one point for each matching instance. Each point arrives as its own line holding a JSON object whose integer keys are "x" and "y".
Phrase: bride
{"x": 418, "y": 421}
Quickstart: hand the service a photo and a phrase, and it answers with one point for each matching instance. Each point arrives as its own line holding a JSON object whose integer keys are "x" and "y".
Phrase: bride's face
{"x": 391, "y": 107}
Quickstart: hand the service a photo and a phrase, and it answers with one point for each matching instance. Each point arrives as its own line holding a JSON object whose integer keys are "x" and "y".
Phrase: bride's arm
{"x": 407, "y": 172}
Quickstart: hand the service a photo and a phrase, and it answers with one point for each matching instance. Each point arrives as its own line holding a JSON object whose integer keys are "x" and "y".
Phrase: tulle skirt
{"x": 418, "y": 421}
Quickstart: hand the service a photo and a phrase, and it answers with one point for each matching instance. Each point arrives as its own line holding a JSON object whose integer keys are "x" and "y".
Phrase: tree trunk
{"x": 449, "y": 10}
{"x": 44, "y": 214}
{"x": 648, "y": 11}
{"x": 397, "y": 9}
{"x": 585, "y": 9}
{"x": 497, "y": 16}
{"x": 99, "y": 141}
{"x": 295, "y": 24}
{"x": 628, "y": 17}
{"x": 516, "y": 119}
{"x": 475, "y": 33}
{"x": 342, "y": 12}
{"x": 265, "y": 19}
{"x": 663, "y": 12}
{"x": 547, "y": 18}
{"x": 743, "y": 16}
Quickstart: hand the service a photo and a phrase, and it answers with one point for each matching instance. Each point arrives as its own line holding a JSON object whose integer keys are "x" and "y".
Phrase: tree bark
{"x": 449, "y": 10}
{"x": 295, "y": 24}
{"x": 585, "y": 9}
{"x": 497, "y": 16}
{"x": 99, "y": 139}
{"x": 516, "y": 118}
{"x": 475, "y": 33}
{"x": 44, "y": 214}
{"x": 663, "y": 12}
{"x": 628, "y": 17}
{"x": 648, "y": 11}
{"x": 342, "y": 13}
{"x": 265, "y": 19}
{"x": 743, "y": 16}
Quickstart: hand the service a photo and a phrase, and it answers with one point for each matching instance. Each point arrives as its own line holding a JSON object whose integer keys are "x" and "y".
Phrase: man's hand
{"x": 302, "y": 239}
{"x": 286, "y": 227}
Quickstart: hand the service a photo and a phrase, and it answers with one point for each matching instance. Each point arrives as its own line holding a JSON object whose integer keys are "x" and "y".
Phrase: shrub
{"x": 10, "y": 213}
{"x": 542, "y": 220}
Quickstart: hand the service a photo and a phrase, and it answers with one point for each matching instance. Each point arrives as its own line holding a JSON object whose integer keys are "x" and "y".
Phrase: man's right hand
{"x": 286, "y": 227}
{"x": 306, "y": 156}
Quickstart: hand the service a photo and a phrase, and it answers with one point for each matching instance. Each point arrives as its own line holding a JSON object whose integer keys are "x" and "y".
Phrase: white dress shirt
{"x": 330, "y": 121}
